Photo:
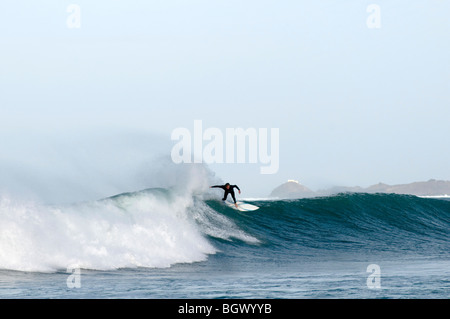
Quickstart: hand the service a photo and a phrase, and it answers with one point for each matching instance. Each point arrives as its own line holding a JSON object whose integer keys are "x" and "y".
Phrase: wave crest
{"x": 144, "y": 229}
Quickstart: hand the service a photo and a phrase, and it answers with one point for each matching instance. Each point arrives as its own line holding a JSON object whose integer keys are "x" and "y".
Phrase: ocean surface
{"x": 164, "y": 243}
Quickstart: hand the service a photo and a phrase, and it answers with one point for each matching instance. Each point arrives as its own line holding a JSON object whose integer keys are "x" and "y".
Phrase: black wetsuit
{"x": 228, "y": 191}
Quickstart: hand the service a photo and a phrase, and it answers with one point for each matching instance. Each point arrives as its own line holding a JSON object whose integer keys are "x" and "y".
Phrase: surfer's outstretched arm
{"x": 218, "y": 186}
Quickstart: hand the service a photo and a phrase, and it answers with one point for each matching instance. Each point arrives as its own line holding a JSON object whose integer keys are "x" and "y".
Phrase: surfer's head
{"x": 227, "y": 185}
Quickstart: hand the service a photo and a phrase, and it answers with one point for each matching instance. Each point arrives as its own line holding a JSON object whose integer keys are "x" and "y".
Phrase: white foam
{"x": 435, "y": 196}
{"x": 152, "y": 228}
{"x": 216, "y": 225}
{"x": 141, "y": 230}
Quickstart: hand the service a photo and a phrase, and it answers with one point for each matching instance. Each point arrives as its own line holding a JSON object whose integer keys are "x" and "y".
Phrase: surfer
{"x": 229, "y": 189}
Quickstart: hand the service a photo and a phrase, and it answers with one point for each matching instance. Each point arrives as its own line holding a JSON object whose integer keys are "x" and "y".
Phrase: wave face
{"x": 349, "y": 225}
{"x": 160, "y": 227}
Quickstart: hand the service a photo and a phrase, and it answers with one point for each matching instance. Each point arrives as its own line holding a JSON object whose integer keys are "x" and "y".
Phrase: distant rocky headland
{"x": 433, "y": 188}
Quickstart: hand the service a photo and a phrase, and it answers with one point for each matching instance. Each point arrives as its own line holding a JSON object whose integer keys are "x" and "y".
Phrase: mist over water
{"x": 155, "y": 227}
{"x": 66, "y": 166}
{"x": 59, "y": 203}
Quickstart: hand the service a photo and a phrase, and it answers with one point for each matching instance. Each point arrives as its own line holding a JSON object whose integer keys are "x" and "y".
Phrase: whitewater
{"x": 182, "y": 242}
{"x": 150, "y": 228}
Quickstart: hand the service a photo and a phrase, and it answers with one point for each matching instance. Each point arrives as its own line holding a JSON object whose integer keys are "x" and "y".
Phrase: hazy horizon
{"x": 91, "y": 107}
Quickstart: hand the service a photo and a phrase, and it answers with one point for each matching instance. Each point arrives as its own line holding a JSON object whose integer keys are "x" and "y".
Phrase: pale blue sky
{"x": 355, "y": 106}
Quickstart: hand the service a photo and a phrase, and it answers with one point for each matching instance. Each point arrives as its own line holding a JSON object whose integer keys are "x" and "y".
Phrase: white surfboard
{"x": 242, "y": 206}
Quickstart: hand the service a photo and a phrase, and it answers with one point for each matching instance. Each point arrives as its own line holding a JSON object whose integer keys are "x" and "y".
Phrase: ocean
{"x": 167, "y": 243}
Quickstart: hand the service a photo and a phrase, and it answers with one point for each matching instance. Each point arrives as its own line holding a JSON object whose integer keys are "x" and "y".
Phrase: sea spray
{"x": 156, "y": 227}
{"x": 143, "y": 229}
